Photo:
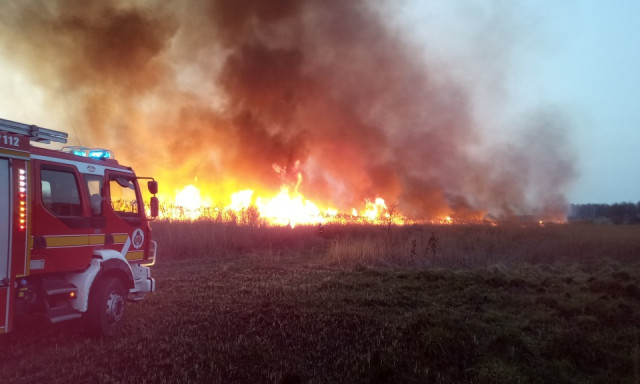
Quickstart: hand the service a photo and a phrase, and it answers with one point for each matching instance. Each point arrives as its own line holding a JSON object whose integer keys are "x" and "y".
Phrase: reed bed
{"x": 423, "y": 246}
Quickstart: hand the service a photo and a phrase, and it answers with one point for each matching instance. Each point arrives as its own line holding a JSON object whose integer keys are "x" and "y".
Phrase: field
{"x": 364, "y": 304}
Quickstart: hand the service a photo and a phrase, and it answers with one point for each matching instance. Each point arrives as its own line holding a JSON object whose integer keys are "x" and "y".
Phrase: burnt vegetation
{"x": 364, "y": 304}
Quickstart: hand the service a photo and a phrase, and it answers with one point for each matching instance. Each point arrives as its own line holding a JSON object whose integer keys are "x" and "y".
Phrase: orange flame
{"x": 189, "y": 202}
{"x": 289, "y": 207}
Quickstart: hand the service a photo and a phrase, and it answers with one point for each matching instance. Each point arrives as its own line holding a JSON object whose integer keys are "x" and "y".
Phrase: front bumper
{"x": 153, "y": 250}
{"x": 143, "y": 282}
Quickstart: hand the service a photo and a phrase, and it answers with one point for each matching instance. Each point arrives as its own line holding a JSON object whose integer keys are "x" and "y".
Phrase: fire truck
{"x": 75, "y": 239}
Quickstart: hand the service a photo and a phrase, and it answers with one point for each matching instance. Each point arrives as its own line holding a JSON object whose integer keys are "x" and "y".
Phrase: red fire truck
{"x": 75, "y": 239}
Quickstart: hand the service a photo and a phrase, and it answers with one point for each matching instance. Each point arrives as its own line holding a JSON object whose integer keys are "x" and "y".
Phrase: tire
{"x": 106, "y": 307}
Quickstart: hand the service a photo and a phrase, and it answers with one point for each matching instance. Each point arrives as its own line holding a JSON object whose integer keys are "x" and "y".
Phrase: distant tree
{"x": 618, "y": 213}
{"x": 631, "y": 213}
{"x": 624, "y": 213}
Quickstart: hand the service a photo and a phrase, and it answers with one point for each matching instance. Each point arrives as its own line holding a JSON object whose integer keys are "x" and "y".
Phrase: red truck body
{"x": 75, "y": 238}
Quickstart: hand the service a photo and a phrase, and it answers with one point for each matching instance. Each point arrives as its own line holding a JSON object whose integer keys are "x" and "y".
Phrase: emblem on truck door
{"x": 137, "y": 238}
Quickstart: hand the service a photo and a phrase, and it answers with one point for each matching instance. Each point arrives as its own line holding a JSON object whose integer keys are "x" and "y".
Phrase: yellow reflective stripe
{"x": 135, "y": 255}
{"x": 67, "y": 241}
{"x": 96, "y": 239}
{"x": 79, "y": 240}
{"x": 120, "y": 238}
{"x": 61, "y": 241}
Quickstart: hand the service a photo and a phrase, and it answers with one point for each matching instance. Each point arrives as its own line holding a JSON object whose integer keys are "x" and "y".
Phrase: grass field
{"x": 357, "y": 304}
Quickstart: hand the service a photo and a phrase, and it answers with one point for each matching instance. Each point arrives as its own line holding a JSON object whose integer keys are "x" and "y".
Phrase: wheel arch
{"x": 118, "y": 269}
{"x": 105, "y": 263}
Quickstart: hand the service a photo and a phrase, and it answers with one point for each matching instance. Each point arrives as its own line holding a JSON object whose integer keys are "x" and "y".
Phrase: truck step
{"x": 56, "y": 315}
{"x": 57, "y": 287}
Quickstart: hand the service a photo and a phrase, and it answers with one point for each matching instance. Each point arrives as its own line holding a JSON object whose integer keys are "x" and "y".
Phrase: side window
{"x": 60, "y": 193}
{"x": 94, "y": 186}
{"x": 124, "y": 199}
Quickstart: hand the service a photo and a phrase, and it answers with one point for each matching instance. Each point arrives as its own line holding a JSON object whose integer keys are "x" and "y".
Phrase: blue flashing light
{"x": 92, "y": 153}
{"x": 99, "y": 154}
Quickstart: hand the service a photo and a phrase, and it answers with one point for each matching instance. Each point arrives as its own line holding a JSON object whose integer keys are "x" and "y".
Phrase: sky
{"x": 597, "y": 77}
{"x": 593, "y": 74}
{"x": 578, "y": 59}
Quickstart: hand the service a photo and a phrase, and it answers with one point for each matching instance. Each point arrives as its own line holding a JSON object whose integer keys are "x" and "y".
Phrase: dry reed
{"x": 433, "y": 246}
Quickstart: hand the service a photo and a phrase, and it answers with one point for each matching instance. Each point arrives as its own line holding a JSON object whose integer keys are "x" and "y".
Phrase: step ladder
{"x": 58, "y": 307}
{"x": 35, "y": 133}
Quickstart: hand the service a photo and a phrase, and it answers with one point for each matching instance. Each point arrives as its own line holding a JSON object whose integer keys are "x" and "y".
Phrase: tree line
{"x": 618, "y": 213}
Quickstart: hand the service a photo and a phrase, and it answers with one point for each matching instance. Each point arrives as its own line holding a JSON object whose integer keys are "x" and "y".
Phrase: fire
{"x": 189, "y": 198}
{"x": 240, "y": 200}
{"x": 374, "y": 210}
{"x": 289, "y": 209}
{"x": 189, "y": 204}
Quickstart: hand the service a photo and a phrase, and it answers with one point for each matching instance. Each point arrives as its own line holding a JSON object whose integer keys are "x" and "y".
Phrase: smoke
{"x": 226, "y": 91}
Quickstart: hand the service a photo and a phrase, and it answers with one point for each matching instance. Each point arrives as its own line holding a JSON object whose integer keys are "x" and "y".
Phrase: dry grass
{"x": 184, "y": 240}
{"x": 433, "y": 246}
{"x": 472, "y": 247}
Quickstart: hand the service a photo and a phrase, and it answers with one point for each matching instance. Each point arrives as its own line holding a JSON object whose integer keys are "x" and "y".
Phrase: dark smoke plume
{"x": 224, "y": 90}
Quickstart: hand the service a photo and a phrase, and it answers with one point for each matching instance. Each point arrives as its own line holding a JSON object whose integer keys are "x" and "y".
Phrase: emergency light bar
{"x": 92, "y": 153}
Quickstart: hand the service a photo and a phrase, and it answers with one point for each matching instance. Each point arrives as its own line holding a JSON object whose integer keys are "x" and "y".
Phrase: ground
{"x": 298, "y": 317}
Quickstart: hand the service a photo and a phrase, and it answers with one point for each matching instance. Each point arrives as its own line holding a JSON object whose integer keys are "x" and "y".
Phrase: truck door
{"x": 61, "y": 235}
{"x": 125, "y": 216}
{"x": 5, "y": 245}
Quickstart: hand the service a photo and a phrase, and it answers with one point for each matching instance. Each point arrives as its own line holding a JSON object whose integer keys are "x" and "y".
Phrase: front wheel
{"x": 106, "y": 306}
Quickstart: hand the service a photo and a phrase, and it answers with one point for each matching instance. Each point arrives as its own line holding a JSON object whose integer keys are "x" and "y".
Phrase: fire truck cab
{"x": 75, "y": 239}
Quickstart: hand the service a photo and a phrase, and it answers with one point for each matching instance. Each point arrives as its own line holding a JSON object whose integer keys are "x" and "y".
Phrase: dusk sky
{"x": 595, "y": 76}
{"x": 579, "y": 59}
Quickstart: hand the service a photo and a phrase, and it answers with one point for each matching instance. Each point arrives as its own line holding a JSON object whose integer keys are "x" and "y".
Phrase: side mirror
{"x": 153, "y": 186}
{"x": 154, "y": 205}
